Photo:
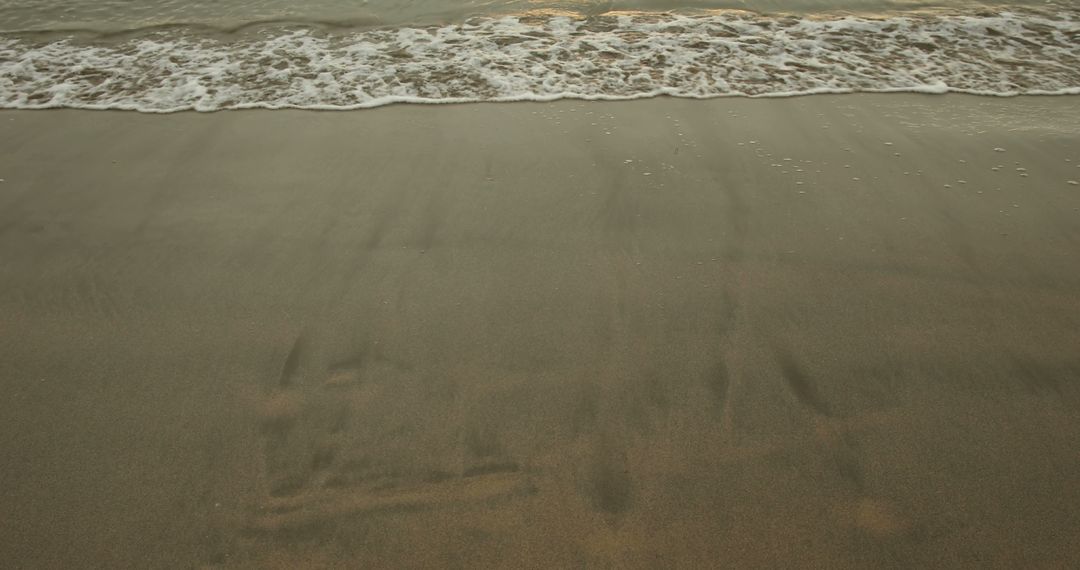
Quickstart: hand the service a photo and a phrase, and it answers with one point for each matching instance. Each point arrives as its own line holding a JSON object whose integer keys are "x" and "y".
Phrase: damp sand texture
{"x": 819, "y": 332}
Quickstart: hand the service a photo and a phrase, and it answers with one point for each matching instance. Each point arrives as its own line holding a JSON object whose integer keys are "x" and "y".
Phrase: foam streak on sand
{"x": 617, "y": 56}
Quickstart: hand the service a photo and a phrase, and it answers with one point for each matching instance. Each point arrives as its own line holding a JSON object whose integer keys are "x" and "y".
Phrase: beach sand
{"x": 827, "y": 331}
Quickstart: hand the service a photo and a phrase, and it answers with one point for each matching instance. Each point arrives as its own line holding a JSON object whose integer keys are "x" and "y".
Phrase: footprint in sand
{"x": 879, "y": 518}
{"x": 315, "y": 421}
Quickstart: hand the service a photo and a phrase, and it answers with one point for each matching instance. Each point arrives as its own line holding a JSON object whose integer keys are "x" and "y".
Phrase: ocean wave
{"x": 545, "y": 57}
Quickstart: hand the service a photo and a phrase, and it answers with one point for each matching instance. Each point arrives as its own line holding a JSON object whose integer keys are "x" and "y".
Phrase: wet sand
{"x": 830, "y": 331}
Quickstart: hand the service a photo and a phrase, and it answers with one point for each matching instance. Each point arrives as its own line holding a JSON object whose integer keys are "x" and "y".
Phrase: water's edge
{"x": 547, "y": 57}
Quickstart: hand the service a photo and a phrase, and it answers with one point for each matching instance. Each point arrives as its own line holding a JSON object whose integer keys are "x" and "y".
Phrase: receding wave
{"x": 544, "y": 57}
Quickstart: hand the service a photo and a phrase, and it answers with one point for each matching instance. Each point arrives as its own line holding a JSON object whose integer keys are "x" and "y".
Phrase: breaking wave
{"x": 545, "y": 57}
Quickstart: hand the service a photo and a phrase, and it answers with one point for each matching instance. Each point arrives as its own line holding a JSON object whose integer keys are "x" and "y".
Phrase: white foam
{"x": 624, "y": 56}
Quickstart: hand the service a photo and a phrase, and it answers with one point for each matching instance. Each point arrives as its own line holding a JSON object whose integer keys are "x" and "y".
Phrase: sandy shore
{"x": 831, "y": 331}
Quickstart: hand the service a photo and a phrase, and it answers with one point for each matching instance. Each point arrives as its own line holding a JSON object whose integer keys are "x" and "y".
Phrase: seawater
{"x": 165, "y": 55}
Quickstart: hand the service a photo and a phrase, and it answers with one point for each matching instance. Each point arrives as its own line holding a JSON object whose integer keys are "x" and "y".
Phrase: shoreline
{"x": 421, "y": 102}
{"x": 621, "y": 56}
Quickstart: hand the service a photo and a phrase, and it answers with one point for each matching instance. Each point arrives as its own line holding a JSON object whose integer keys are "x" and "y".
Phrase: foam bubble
{"x": 542, "y": 58}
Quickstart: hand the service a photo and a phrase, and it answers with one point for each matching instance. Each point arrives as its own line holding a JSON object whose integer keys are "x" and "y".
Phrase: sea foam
{"x": 545, "y": 57}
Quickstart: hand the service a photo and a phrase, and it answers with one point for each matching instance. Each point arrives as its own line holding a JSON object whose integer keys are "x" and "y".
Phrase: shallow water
{"x": 544, "y": 56}
{"x": 166, "y": 55}
{"x": 112, "y": 15}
